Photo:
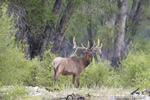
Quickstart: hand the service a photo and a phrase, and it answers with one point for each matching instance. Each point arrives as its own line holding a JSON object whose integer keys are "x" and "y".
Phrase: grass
{"x": 12, "y": 92}
{"x": 94, "y": 93}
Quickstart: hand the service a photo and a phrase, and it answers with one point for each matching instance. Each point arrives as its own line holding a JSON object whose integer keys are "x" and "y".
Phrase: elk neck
{"x": 87, "y": 60}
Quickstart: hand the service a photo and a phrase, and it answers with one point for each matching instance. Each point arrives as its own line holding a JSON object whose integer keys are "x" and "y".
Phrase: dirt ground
{"x": 71, "y": 93}
{"x": 86, "y": 94}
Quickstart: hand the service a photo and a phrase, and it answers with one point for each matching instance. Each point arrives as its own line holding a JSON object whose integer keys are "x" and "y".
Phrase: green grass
{"x": 13, "y": 92}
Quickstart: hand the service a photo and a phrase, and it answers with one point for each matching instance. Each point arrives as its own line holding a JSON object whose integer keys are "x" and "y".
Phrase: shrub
{"x": 14, "y": 67}
{"x": 45, "y": 70}
{"x": 13, "y": 92}
{"x": 10, "y": 58}
{"x": 95, "y": 74}
{"x": 135, "y": 70}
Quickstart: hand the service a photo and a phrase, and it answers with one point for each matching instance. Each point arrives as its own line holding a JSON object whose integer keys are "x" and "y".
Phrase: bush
{"x": 13, "y": 92}
{"x": 45, "y": 71}
{"x": 14, "y": 67}
{"x": 135, "y": 71}
{"x": 10, "y": 58}
{"x": 95, "y": 74}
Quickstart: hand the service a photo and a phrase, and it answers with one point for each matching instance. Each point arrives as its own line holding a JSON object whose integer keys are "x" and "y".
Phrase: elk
{"x": 75, "y": 65}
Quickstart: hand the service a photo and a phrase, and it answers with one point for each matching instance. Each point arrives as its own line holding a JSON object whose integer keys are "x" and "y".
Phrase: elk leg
{"x": 54, "y": 80}
{"x": 57, "y": 73}
{"x": 78, "y": 81}
{"x": 73, "y": 79}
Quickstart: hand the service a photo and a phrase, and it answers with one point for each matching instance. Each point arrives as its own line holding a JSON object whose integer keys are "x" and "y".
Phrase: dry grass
{"x": 95, "y": 93}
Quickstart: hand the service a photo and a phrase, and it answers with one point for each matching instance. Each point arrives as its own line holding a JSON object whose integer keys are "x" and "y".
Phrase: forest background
{"x": 34, "y": 32}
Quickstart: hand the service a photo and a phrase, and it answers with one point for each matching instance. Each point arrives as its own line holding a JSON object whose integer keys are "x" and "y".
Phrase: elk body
{"x": 74, "y": 65}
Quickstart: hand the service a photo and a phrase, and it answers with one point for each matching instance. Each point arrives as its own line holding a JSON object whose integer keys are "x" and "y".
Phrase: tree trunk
{"x": 89, "y": 30}
{"x": 63, "y": 24}
{"x": 119, "y": 43}
{"x": 41, "y": 41}
{"x": 49, "y": 28}
{"x": 23, "y": 33}
{"x": 133, "y": 8}
{"x": 109, "y": 50}
{"x": 57, "y": 6}
{"x": 134, "y": 17}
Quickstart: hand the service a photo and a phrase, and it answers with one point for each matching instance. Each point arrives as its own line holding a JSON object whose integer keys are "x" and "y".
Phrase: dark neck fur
{"x": 87, "y": 60}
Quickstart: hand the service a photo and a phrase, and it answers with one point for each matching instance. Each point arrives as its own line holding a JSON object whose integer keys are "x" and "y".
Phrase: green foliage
{"x": 106, "y": 34}
{"x": 7, "y": 29}
{"x": 14, "y": 67}
{"x": 95, "y": 74}
{"x": 38, "y": 12}
{"x": 13, "y": 92}
{"x": 110, "y": 7}
{"x": 135, "y": 71}
{"x": 31, "y": 71}
{"x": 6, "y": 39}
{"x": 44, "y": 76}
{"x": 77, "y": 26}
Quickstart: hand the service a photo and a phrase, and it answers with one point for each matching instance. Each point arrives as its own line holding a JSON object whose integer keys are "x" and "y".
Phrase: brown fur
{"x": 70, "y": 66}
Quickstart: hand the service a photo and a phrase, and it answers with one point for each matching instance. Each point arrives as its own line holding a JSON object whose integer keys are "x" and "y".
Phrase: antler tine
{"x": 101, "y": 45}
{"x": 75, "y": 51}
{"x": 82, "y": 45}
{"x": 76, "y": 47}
{"x": 74, "y": 42}
{"x": 98, "y": 43}
{"x": 93, "y": 45}
{"x": 96, "y": 48}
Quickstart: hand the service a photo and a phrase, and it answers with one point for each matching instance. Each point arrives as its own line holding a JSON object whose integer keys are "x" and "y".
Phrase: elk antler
{"x": 98, "y": 46}
{"x": 79, "y": 48}
{"x": 93, "y": 45}
{"x": 84, "y": 46}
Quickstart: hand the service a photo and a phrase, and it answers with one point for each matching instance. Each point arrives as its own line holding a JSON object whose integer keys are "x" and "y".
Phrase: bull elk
{"x": 75, "y": 65}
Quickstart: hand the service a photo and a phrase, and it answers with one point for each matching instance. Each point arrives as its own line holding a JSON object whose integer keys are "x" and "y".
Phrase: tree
{"x": 46, "y": 24}
{"x": 119, "y": 42}
{"x": 41, "y": 23}
{"x": 121, "y": 22}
